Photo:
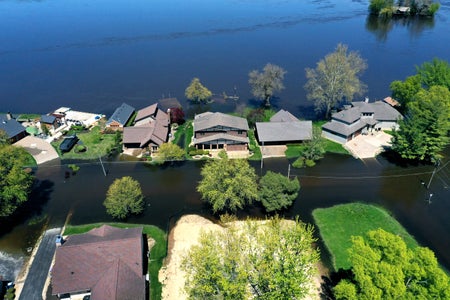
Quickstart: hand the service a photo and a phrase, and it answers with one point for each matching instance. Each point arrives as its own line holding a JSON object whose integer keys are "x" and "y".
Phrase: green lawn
{"x": 157, "y": 253}
{"x": 254, "y": 146}
{"x": 294, "y": 150}
{"x": 338, "y": 223}
{"x": 97, "y": 144}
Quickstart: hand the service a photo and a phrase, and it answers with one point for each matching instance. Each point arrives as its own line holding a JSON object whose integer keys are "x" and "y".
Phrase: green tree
{"x": 4, "y": 138}
{"x": 170, "y": 151}
{"x": 15, "y": 182}
{"x": 384, "y": 268}
{"x": 404, "y": 91}
{"x": 274, "y": 260}
{"x": 276, "y": 191}
{"x": 228, "y": 184}
{"x": 335, "y": 79}
{"x": 377, "y": 6}
{"x": 265, "y": 84}
{"x": 436, "y": 72}
{"x": 423, "y": 133}
{"x": 196, "y": 92}
{"x": 124, "y": 197}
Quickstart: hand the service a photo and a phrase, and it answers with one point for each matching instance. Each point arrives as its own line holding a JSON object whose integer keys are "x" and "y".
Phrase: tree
{"x": 177, "y": 115}
{"x": 335, "y": 79}
{"x": 274, "y": 260}
{"x": 436, "y": 72}
{"x": 4, "y": 138}
{"x": 196, "y": 92}
{"x": 124, "y": 197}
{"x": 265, "y": 84}
{"x": 170, "y": 151}
{"x": 277, "y": 191}
{"x": 228, "y": 184}
{"x": 404, "y": 91}
{"x": 15, "y": 182}
{"x": 423, "y": 133}
{"x": 384, "y": 268}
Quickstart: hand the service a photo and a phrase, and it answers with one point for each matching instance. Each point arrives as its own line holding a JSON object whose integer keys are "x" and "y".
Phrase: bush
{"x": 310, "y": 163}
{"x": 299, "y": 163}
{"x": 198, "y": 152}
{"x": 74, "y": 168}
{"x": 80, "y": 148}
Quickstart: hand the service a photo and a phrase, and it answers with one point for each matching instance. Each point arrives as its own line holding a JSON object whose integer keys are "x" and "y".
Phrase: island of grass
{"x": 157, "y": 253}
{"x": 337, "y": 224}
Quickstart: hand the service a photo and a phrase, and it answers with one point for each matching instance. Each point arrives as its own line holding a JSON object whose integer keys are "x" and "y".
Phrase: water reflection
{"x": 380, "y": 27}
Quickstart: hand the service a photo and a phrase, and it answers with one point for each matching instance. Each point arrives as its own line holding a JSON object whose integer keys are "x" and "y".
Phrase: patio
{"x": 367, "y": 146}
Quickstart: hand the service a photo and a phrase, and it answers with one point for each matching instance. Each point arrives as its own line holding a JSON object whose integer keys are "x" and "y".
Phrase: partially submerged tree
{"x": 265, "y": 84}
{"x": 423, "y": 133}
{"x": 277, "y": 191}
{"x": 196, "y": 92}
{"x": 124, "y": 197}
{"x": 15, "y": 182}
{"x": 384, "y": 268}
{"x": 170, "y": 152}
{"x": 335, "y": 79}
{"x": 274, "y": 260}
{"x": 228, "y": 184}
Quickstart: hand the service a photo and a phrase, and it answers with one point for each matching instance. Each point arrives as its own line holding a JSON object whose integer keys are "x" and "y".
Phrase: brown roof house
{"x": 220, "y": 131}
{"x": 120, "y": 117}
{"x": 360, "y": 117}
{"x": 105, "y": 263}
{"x": 283, "y": 128}
{"x": 150, "y": 130}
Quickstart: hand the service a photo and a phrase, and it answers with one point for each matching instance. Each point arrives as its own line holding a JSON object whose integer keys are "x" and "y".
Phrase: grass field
{"x": 254, "y": 146}
{"x": 157, "y": 253}
{"x": 97, "y": 144}
{"x": 338, "y": 223}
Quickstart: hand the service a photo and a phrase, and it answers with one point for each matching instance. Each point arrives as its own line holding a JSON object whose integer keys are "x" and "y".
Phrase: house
{"x": 120, "y": 117}
{"x": 49, "y": 121}
{"x": 13, "y": 129}
{"x": 282, "y": 129}
{"x": 150, "y": 130}
{"x": 361, "y": 117}
{"x": 220, "y": 131}
{"x": 105, "y": 263}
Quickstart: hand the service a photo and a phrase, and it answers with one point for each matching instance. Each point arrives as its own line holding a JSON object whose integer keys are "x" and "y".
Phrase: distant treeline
{"x": 389, "y": 8}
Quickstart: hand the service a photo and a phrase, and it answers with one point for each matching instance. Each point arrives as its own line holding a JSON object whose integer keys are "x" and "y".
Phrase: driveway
{"x": 367, "y": 146}
{"x": 40, "y": 266}
{"x": 273, "y": 151}
{"x": 40, "y": 149}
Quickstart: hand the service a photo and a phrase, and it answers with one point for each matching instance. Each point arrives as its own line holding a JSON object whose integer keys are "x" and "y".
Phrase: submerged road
{"x": 40, "y": 266}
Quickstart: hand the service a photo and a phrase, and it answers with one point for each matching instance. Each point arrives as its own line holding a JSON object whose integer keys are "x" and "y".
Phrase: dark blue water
{"x": 94, "y": 55}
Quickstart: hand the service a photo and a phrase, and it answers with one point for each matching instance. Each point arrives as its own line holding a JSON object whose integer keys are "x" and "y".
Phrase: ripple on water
{"x": 10, "y": 266}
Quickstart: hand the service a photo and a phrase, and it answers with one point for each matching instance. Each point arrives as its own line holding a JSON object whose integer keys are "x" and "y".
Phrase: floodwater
{"x": 92, "y": 56}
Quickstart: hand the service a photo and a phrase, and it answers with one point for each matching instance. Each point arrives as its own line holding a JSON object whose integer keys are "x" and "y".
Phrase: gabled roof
{"x": 48, "y": 119}
{"x": 284, "y": 131}
{"x": 154, "y": 132}
{"x": 222, "y": 137}
{"x": 146, "y": 112}
{"x": 108, "y": 261}
{"x": 209, "y": 120}
{"x": 283, "y": 116}
{"x": 381, "y": 112}
{"x": 350, "y": 115}
{"x": 343, "y": 129}
{"x": 122, "y": 114}
{"x": 11, "y": 126}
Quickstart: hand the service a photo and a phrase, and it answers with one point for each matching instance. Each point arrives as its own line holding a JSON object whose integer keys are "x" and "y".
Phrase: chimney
{"x": 366, "y": 100}
{"x": 8, "y": 116}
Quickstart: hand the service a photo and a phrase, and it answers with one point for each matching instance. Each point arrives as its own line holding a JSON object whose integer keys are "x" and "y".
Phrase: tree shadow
{"x": 395, "y": 159}
{"x": 328, "y": 283}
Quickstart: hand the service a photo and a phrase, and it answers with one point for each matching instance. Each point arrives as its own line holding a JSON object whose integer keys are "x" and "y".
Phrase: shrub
{"x": 310, "y": 163}
{"x": 299, "y": 163}
{"x": 80, "y": 148}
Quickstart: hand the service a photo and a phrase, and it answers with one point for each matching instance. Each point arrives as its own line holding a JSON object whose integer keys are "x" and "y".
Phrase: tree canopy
{"x": 196, "y": 92}
{"x": 170, "y": 151}
{"x": 15, "y": 182}
{"x": 265, "y": 84}
{"x": 386, "y": 8}
{"x": 277, "y": 192}
{"x": 228, "y": 184}
{"x": 274, "y": 260}
{"x": 124, "y": 197}
{"x": 423, "y": 133}
{"x": 384, "y": 268}
{"x": 335, "y": 80}
{"x": 435, "y": 72}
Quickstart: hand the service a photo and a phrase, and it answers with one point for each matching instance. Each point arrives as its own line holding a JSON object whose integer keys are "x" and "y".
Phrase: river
{"x": 92, "y": 56}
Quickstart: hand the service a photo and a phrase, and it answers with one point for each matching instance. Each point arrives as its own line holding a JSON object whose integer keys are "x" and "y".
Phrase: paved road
{"x": 37, "y": 275}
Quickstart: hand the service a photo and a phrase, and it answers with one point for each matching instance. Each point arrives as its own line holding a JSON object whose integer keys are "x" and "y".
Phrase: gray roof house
{"x": 14, "y": 130}
{"x": 359, "y": 118}
{"x": 220, "y": 131}
{"x": 282, "y": 129}
{"x": 120, "y": 117}
{"x": 106, "y": 263}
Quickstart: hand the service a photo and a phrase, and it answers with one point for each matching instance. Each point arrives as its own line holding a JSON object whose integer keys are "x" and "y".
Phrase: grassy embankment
{"x": 157, "y": 253}
{"x": 338, "y": 223}
{"x": 295, "y": 150}
{"x": 97, "y": 144}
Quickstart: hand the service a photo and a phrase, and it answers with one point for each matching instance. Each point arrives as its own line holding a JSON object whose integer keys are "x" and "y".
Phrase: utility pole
{"x": 289, "y": 171}
{"x": 262, "y": 155}
{"x": 101, "y": 163}
{"x": 432, "y": 175}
